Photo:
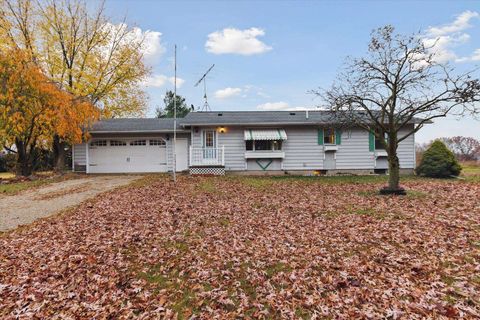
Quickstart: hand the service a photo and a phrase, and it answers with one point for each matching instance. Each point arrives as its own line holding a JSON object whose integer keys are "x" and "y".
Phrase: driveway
{"x": 30, "y": 205}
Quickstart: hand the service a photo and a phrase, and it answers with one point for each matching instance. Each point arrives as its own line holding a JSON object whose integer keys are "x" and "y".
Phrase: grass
{"x": 207, "y": 186}
{"x": 277, "y": 268}
{"x": 471, "y": 171}
{"x": 6, "y": 175}
{"x": 16, "y": 187}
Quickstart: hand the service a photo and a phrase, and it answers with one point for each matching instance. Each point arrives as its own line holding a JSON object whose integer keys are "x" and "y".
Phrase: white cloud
{"x": 273, "y": 106}
{"x": 444, "y": 38}
{"x": 160, "y": 80}
{"x": 231, "y": 40}
{"x": 476, "y": 55}
{"x": 227, "y": 93}
{"x": 152, "y": 46}
{"x": 461, "y": 23}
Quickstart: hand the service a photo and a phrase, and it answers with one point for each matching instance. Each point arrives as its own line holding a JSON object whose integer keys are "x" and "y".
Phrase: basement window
{"x": 157, "y": 142}
{"x": 117, "y": 143}
{"x": 138, "y": 143}
{"x": 98, "y": 143}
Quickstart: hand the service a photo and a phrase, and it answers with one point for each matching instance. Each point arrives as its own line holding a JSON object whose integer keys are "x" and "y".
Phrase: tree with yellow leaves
{"x": 82, "y": 52}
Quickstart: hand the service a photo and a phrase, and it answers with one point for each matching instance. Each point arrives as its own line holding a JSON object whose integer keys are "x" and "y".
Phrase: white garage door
{"x": 118, "y": 156}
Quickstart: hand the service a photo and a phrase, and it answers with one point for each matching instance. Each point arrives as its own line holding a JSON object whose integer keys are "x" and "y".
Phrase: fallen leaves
{"x": 251, "y": 247}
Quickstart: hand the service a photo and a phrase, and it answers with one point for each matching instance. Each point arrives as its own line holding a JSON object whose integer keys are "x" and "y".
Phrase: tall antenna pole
{"x": 206, "y": 106}
{"x": 175, "y": 119}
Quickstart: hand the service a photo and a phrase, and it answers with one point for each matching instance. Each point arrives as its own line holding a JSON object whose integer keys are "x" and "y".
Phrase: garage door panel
{"x": 129, "y": 158}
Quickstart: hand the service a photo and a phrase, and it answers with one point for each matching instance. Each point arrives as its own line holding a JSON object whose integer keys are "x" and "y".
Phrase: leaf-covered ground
{"x": 236, "y": 247}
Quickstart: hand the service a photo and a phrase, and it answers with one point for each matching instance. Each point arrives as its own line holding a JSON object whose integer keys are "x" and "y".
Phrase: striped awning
{"x": 265, "y": 134}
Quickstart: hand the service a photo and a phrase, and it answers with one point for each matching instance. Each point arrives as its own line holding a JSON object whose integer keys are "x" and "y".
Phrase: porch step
{"x": 207, "y": 170}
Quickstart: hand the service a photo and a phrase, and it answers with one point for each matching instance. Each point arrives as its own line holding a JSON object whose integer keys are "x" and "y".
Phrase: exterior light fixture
{"x": 221, "y": 130}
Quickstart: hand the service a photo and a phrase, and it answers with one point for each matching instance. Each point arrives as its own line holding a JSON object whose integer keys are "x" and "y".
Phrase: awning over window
{"x": 265, "y": 134}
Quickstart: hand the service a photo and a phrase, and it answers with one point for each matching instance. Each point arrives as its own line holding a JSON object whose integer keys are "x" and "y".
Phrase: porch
{"x": 207, "y": 161}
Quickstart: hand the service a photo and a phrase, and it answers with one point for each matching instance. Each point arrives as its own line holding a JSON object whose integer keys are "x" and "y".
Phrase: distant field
{"x": 471, "y": 168}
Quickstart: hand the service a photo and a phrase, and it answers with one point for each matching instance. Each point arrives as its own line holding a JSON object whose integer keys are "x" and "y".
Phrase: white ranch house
{"x": 269, "y": 142}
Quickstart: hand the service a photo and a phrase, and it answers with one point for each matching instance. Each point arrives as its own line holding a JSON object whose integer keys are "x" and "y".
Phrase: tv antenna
{"x": 206, "y": 106}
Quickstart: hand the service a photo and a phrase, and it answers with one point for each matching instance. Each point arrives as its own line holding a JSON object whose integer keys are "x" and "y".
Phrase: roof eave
{"x": 139, "y": 131}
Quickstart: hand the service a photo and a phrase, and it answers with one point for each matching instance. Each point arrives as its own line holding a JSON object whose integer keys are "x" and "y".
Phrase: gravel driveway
{"x": 31, "y": 205}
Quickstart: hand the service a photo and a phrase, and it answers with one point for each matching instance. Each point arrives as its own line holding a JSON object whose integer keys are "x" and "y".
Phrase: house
{"x": 298, "y": 142}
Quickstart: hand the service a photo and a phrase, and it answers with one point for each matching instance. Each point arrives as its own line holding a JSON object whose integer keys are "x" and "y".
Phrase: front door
{"x": 209, "y": 144}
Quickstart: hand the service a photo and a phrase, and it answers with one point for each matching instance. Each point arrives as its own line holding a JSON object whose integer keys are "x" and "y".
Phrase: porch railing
{"x": 207, "y": 156}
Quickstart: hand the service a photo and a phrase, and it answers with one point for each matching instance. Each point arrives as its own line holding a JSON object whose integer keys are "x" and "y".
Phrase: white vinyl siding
{"x": 406, "y": 150}
{"x": 302, "y": 151}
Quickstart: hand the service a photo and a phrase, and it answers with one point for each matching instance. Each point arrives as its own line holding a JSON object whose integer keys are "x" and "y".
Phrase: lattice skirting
{"x": 213, "y": 171}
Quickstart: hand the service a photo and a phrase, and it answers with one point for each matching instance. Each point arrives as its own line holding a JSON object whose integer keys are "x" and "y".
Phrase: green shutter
{"x": 320, "y": 136}
{"x": 371, "y": 141}
{"x": 338, "y": 136}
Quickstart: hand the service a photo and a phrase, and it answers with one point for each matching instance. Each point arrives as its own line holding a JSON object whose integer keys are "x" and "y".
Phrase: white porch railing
{"x": 207, "y": 156}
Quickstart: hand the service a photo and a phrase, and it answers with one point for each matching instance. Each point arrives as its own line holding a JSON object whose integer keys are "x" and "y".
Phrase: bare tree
{"x": 464, "y": 148}
{"x": 396, "y": 89}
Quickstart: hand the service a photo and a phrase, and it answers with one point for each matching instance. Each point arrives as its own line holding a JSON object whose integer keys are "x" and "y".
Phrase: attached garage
{"x": 127, "y": 155}
{"x": 132, "y": 146}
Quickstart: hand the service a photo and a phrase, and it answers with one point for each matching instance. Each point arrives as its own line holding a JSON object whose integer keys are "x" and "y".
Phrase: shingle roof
{"x": 247, "y": 118}
{"x": 311, "y": 117}
{"x": 134, "y": 125}
{"x": 257, "y": 117}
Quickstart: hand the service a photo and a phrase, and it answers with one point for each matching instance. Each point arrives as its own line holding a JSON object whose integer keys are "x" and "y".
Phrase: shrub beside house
{"x": 439, "y": 162}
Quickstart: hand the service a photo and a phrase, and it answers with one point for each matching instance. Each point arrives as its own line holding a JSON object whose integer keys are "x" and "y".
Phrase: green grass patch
{"x": 301, "y": 313}
{"x": 224, "y": 222}
{"x": 414, "y": 194}
{"x": 182, "y": 298}
{"x": 470, "y": 169}
{"x": 177, "y": 245}
{"x": 207, "y": 186}
{"x": 7, "y": 175}
{"x": 448, "y": 280}
{"x": 16, "y": 187}
{"x": 276, "y": 268}
{"x": 343, "y": 179}
{"x": 364, "y": 212}
{"x": 257, "y": 182}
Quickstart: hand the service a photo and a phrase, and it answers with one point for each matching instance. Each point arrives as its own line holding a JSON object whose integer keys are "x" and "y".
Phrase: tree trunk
{"x": 393, "y": 172}
{"x": 23, "y": 166}
{"x": 58, "y": 154}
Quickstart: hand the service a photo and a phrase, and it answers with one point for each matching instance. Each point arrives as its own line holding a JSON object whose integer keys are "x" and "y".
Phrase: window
{"x": 329, "y": 136}
{"x": 263, "y": 145}
{"x": 98, "y": 143}
{"x": 209, "y": 138}
{"x": 117, "y": 143}
{"x": 378, "y": 143}
{"x": 138, "y": 143}
{"x": 157, "y": 142}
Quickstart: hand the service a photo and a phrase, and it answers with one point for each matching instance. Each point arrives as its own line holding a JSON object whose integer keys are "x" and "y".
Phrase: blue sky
{"x": 270, "y": 54}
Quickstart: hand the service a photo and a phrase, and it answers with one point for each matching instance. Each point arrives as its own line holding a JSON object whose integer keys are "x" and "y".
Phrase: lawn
{"x": 244, "y": 247}
{"x": 40, "y": 179}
